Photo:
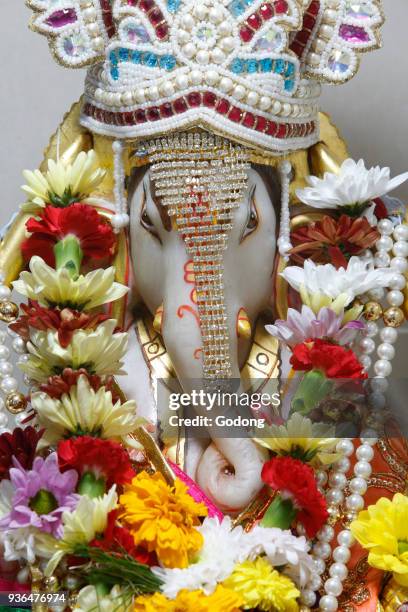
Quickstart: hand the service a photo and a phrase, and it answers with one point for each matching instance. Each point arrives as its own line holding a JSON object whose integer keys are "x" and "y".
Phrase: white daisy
{"x": 353, "y": 185}
{"x": 99, "y": 351}
{"x": 342, "y": 284}
{"x": 63, "y": 183}
{"x": 86, "y": 410}
{"x": 82, "y": 525}
{"x": 57, "y": 287}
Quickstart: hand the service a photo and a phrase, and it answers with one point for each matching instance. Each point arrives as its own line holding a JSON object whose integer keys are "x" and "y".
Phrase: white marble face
{"x": 163, "y": 275}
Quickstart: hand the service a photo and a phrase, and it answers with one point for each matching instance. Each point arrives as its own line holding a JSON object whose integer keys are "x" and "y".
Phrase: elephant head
{"x": 169, "y": 281}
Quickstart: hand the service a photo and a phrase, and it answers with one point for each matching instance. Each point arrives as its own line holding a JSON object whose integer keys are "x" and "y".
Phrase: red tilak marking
{"x": 197, "y": 353}
{"x": 190, "y": 309}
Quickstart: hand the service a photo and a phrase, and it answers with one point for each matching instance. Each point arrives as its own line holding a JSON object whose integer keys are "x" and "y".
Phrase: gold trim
{"x": 11, "y": 259}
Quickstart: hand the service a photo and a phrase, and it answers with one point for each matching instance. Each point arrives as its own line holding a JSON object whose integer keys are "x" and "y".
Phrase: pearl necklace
{"x": 358, "y": 485}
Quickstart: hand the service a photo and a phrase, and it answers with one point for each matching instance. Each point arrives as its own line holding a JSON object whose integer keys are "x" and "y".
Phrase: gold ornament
{"x": 372, "y": 311}
{"x": 8, "y": 311}
{"x": 243, "y": 325}
{"x": 393, "y": 317}
{"x": 16, "y": 402}
{"x": 158, "y": 319}
{"x": 394, "y": 596}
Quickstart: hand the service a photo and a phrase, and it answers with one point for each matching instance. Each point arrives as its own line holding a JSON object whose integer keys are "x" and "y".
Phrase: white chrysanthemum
{"x": 22, "y": 543}
{"x": 74, "y": 181}
{"x": 99, "y": 351}
{"x": 82, "y": 525}
{"x": 282, "y": 549}
{"x": 343, "y": 284}
{"x": 89, "y": 600}
{"x": 353, "y": 185}
{"x": 57, "y": 287}
{"x": 224, "y": 547}
{"x": 219, "y": 554}
{"x": 83, "y": 409}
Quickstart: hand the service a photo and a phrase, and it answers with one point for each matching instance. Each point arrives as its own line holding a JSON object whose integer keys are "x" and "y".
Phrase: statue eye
{"x": 146, "y": 221}
{"x": 252, "y": 219}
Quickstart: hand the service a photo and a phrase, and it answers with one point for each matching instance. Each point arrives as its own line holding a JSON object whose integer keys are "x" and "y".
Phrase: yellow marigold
{"x": 383, "y": 530}
{"x": 263, "y": 587}
{"x": 162, "y": 518}
{"x": 222, "y": 600}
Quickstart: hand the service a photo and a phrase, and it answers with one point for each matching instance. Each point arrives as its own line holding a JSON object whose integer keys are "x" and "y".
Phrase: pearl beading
{"x": 394, "y": 240}
{"x": 284, "y": 244}
{"x": 121, "y": 218}
{"x": 322, "y": 549}
{"x": 8, "y": 382}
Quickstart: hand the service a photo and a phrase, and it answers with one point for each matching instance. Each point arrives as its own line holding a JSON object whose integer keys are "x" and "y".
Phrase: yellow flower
{"x": 84, "y": 410}
{"x": 222, "y": 600}
{"x": 311, "y": 442}
{"x": 316, "y": 301}
{"x": 99, "y": 351}
{"x": 63, "y": 183}
{"x": 263, "y": 587}
{"x": 57, "y": 287}
{"x": 162, "y": 518}
{"x": 82, "y": 525}
{"x": 383, "y": 530}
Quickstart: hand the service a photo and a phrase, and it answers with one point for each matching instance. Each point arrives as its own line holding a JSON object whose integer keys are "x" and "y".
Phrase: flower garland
{"x": 75, "y": 503}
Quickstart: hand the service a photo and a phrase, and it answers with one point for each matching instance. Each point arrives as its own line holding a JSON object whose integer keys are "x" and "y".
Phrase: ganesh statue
{"x": 197, "y": 232}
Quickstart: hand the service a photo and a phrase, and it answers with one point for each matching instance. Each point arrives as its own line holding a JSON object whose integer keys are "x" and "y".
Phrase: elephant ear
{"x": 78, "y": 32}
{"x": 334, "y": 35}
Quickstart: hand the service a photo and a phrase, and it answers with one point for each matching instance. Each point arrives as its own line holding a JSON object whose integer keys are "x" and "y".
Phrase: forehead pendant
{"x": 201, "y": 179}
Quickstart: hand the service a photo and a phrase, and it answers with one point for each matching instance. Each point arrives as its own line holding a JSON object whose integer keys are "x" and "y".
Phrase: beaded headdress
{"x": 249, "y": 70}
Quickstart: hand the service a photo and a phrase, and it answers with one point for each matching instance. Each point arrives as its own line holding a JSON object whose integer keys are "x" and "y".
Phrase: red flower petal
{"x": 95, "y": 235}
{"x": 103, "y": 457}
{"x": 334, "y": 360}
{"x": 291, "y": 476}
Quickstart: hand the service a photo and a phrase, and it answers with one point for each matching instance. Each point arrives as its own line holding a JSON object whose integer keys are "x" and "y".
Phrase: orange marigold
{"x": 162, "y": 518}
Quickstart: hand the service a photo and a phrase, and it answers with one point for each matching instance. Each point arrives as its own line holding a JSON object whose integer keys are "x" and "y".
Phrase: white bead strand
{"x": 284, "y": 244}
{"x": 121, "y": 217}
{"x": 333, "y": 587}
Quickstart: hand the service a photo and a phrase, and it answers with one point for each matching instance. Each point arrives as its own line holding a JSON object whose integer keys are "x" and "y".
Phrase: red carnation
{"x": 334, "y": 360}
{"x": 103, "y": 458}
{"x": 297, "y": 481}
{"x": 21, "y": 444}
{"x": 65, "y": 321}
{"x": 119, "y": 539}
{"x": 56, "y": 386}
{"x": 95, "y": 235}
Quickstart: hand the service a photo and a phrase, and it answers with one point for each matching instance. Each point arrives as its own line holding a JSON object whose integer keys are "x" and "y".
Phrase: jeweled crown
{"x": 245, "y": 69}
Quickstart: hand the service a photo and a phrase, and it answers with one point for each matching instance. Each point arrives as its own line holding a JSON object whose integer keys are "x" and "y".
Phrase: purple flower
{"x": 306, "y": 325}
{"x": 41, "y": 495}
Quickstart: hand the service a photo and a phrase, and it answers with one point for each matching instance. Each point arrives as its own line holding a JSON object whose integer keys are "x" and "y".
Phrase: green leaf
{"x": 313, "y": 388}
{"x": 69, "y": 255}
{"x": 280, "y": 513}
